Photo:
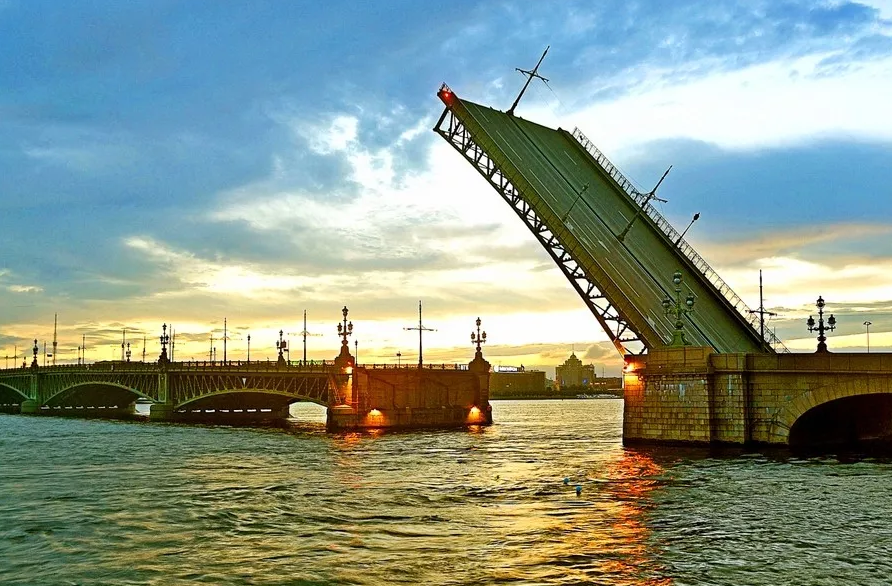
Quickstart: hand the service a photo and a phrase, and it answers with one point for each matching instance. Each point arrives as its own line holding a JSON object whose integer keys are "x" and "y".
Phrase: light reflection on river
{"x": 102, "y": 502}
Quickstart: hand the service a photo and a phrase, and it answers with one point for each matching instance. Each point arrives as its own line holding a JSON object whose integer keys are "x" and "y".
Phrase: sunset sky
{"x": 186, "y": 162}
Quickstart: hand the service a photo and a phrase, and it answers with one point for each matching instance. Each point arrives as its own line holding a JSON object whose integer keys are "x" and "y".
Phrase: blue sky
{"x": 190, "y": 161}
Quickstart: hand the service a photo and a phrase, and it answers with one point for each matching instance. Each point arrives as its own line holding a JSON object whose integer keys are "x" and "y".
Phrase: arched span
{"x": 10, "y": 394}
{"x": 246, "y": 399}
{"x": 95, "y": 394}
{"x": 845, "y": 421}
{"x": 789, "y": 415}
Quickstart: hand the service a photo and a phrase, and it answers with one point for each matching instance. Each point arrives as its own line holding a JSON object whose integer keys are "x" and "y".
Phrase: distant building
{"x": 512, "y": 381}
{"x": 573, "y": 374}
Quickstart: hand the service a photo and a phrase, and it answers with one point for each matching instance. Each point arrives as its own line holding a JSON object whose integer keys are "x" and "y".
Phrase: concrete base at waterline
{"x": 344, "y": 418}
{"x": 29, "y": 407}
{"x": 163, "y": 412}
{"x": 160, "y": 412}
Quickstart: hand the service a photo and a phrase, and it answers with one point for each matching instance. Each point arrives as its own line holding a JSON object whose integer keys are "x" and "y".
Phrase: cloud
{"x": 24, "y": 288}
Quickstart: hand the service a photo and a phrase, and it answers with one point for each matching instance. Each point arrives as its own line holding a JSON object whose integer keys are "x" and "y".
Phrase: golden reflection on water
{"x": 600, "y": 535}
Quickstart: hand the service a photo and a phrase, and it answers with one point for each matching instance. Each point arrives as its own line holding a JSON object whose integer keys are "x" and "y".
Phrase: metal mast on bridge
{"x": 420, "y": 329}
{"x": 530, "y": 75}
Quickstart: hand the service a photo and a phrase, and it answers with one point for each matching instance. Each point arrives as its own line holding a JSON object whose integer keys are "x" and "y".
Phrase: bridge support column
{"x": 161, "y": 412}
{"x": 30, "y": 407}
{"x": 281, "y": 413}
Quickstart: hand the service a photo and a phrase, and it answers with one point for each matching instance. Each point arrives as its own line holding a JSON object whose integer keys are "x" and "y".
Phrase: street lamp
{"x": 821, "y": 328}
{"x": 478, "y": 338}
{"x": 249, "y": 348}
{"x": 867, "y": 325}
{"x": 356, "y": 351}
{"x": 678, "y": 309}
{"x": 281, "y": 346}
{"x": 164, "y": 339}
{"x": 694, "y": 219}
{"x": 399, "y": 359}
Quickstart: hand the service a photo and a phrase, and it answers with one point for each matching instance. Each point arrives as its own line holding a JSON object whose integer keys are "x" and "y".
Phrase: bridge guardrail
{"x": 197, "y": 365}
{"x": 736, "y": 302}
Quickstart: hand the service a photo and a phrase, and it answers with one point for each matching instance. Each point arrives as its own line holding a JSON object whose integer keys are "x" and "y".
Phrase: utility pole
{"x": 55, "y": 346}
{"x": 123, "y": 341}
{"x": 761, "y": 311}
{"x": 530, "y": 75}
{"x": 143, "y": 347}
{"x": 421, "y": 329}
{"x": 225, "y": 337}
{"x": 652, "y": 194}
{"x": 304, "y": 334}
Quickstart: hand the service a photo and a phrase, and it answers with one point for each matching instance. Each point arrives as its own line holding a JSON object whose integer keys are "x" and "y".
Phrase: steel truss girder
{"x": 618, "y": 329}
{"x": 189, "y": 387}
{"x": 55, "y": 384}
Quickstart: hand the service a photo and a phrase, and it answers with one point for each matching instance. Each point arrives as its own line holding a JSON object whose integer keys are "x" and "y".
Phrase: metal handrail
{"x": 642, "y": 199}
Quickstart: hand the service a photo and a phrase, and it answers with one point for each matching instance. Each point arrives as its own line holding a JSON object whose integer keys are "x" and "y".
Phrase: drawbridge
{"x": 613, "y": 246}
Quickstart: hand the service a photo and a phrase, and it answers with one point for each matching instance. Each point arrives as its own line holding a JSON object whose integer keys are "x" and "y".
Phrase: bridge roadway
{"x": 579, "y": 205}
{"x": 255, "y": 389}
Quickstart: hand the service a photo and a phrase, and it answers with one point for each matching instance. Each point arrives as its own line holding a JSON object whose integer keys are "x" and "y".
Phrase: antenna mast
{"x": 530, "y": 75}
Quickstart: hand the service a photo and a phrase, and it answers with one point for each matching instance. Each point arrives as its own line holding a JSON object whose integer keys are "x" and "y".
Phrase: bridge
{"x": 356, "y": 396}
{"x": 175, "y": 390}
{"x": 697, "y": 367}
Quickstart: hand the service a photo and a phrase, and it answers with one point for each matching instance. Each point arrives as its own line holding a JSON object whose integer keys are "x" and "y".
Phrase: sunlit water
{"x": 103, "y": 502}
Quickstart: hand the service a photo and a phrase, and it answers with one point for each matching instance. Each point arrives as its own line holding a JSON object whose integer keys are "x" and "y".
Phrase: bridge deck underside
{"x": 551, "y": 169}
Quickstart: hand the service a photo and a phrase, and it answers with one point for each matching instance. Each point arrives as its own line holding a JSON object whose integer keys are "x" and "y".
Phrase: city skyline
{"x": 186, "y": 163}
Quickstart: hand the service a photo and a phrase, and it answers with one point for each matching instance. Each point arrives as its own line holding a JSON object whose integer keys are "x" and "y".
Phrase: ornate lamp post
{"x": 35, "y": 349}
{"x": 356, "y": 352}
{"x": 281, "y": 346}
{"x": 128, "y": 352}
{"x": 399, "y": 359}
{"x": 249, "y": 348}
{"x": 345, "y": 330}
{"x": 867, "y": 325}
{"x": 165, "y": 339}
{"x": 678, "y": 308}
{"x": 478, "y": 338}
{"x": 821, "y": 328}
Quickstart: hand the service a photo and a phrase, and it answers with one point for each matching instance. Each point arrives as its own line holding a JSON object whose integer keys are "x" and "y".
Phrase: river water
{"x": 104, "y": 502}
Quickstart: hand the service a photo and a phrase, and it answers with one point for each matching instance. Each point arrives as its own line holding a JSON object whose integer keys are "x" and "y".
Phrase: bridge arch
{"x": 10, "y": 394}
{"x": 845, "y": 412}
{"x": 96, "y": 393}
{"x": 247, "y": 398}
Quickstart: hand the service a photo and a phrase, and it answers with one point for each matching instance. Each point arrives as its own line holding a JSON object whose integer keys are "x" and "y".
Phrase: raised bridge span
{"x": 613, "y": 246}
{"x": 723, "y": 381}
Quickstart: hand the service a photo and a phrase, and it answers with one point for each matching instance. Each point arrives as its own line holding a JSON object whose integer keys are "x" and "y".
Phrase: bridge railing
{"x": 112, "y": 365}
{"x": 253, "y": 365}
{"x": 674, "y": 237}
{"x": 410, "y": 366}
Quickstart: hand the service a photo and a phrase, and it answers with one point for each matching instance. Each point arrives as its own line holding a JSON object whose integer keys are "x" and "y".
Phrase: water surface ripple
{"x": 104, "y": 502}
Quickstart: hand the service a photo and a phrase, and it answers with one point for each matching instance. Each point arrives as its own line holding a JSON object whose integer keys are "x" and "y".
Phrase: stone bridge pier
{"x": 692, "y": 394}
{"x": 410, "y": 397}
